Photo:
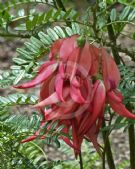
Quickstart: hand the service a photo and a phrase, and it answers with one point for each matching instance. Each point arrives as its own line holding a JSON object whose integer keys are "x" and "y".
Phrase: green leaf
{"x": 69, "y": 31}
{"x": 24, "y": 53}
{"x": 124, "y": 13}
{"x": 113, "y": 15}
{"x": 32, "y": 47}
{"x": 59, "y": 31}
{"x": 19, "y": 77}
{"x": 75, "y": 28}
{"x": 45, "y": 38}
{"x": 53, "y": 35}
{"x": 19, "y": 61}
{"x": 131, "y": 15}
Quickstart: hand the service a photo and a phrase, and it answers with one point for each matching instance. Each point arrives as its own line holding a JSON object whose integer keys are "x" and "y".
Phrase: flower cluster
{"x": 78, "y": 80}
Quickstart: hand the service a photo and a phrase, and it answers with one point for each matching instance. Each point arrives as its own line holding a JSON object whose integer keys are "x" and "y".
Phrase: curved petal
{"x": 40, "y": 77}
{"x": 111, "y": 75}
{"x": 96, "y": 109}
{"x": 45, "y": 65}
{"x": 75, "y": 138}
{"x": 85, "y": 60}
{"x": 71, "y": 65}
{"x": 52, "y": 99}
{"x": 75, "y": 82}
{"x": 76, "y": 95}
{"x": 67, "y": 47}
{"x": 92, "y": 137}
{"x": 47, "y": 87}
{"x": 118, "y": 107}
{"x": 31, "y": 138}
{"x": 59, "y": 86}
{"x": 95, "y": 60}
{"x": 62, "y": 69}
{"x": 55, "y": 49}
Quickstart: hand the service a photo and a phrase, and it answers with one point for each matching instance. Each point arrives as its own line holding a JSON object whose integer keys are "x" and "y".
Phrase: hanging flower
{"x": 69, "y": 92}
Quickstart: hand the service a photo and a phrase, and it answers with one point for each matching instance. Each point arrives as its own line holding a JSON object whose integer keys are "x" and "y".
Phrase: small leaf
{"x": 131, "y": 15}
{"x": 124, "y": 13}
{"x": 19, "y": 77}
{"x": 53, "y": 35}
{"x": 45, "y": 38}
{"x": 113, "y": 14}
{"x": 75, "y": 28}
{"x": 69, "y": 31}
{"x": 19, "y": 61}
{"x": 24, "y": 53}
{"x": 59, "y": 31}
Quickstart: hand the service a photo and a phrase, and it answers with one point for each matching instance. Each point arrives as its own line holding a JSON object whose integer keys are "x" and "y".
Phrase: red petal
{"x": 67, "y": 141}
{"x": 52, "y": 99}
{"x": 75, "y": 82}
{"x": 92, "y": 136}
{"x": 67, "y": 47}
{"x": 118, "y": 107}
{"x": 72, "y": 65}
{"x": 75, "y": 137}
{"x": 59, "y": 86}
{"x": 97, "y": 107}
{"x": 95, "y": 60}
{"x": 85, "y": 60}
{"x": 62, "y": 69}
{"x": 39, "y": 78}
{"x": 76, "y": 95}
{"x": 110, "y": 71}
{"x": 29, "y": 139}
{"x": 47, "y": 87}
{"x": 55, "y": 49}
{"x": 45, "y": 65}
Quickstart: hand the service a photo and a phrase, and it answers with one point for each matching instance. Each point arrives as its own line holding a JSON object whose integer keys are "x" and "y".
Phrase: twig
{"x": 13, "y": 35}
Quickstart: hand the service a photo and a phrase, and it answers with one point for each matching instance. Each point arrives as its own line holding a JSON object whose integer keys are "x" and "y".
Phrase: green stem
{"x": 81, "y": 160}
{"x": 107, "y": 149}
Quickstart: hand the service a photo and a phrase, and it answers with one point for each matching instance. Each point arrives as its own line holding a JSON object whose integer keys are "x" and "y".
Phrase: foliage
{"x": 101, "y": 23}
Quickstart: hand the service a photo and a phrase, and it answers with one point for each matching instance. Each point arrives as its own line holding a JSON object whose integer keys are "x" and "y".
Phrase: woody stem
{"x": 112, "y": 38}
{"x": 131, "y": 135}
{"x": 107, "y": 149}
{"x": 131, "y": 132}
{"x": 81, "y": 160}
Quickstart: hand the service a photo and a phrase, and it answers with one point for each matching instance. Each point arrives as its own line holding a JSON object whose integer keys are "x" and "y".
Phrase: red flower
{"x": 73, "y": 95}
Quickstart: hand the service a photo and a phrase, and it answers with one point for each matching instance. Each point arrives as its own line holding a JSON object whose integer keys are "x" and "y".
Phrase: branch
{"x": 107, "y": 149}
{"x": 112, "y": 38}
{"x": 13, "y": 35}
{"x": 120, "y": 49}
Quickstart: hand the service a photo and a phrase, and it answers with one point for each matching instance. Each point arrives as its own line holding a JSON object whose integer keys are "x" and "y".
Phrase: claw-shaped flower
{"x": 74, "y": 96}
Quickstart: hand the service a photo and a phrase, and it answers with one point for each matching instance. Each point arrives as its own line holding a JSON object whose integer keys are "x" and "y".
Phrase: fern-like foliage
{"x": 17, "y": 99}
{"x": 26, "y": 64}
{"x": 127, "y": 85}
{"x": 25, "y": 24}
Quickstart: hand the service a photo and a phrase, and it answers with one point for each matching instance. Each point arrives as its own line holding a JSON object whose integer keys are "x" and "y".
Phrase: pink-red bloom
{"x": 77, "y": 82}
